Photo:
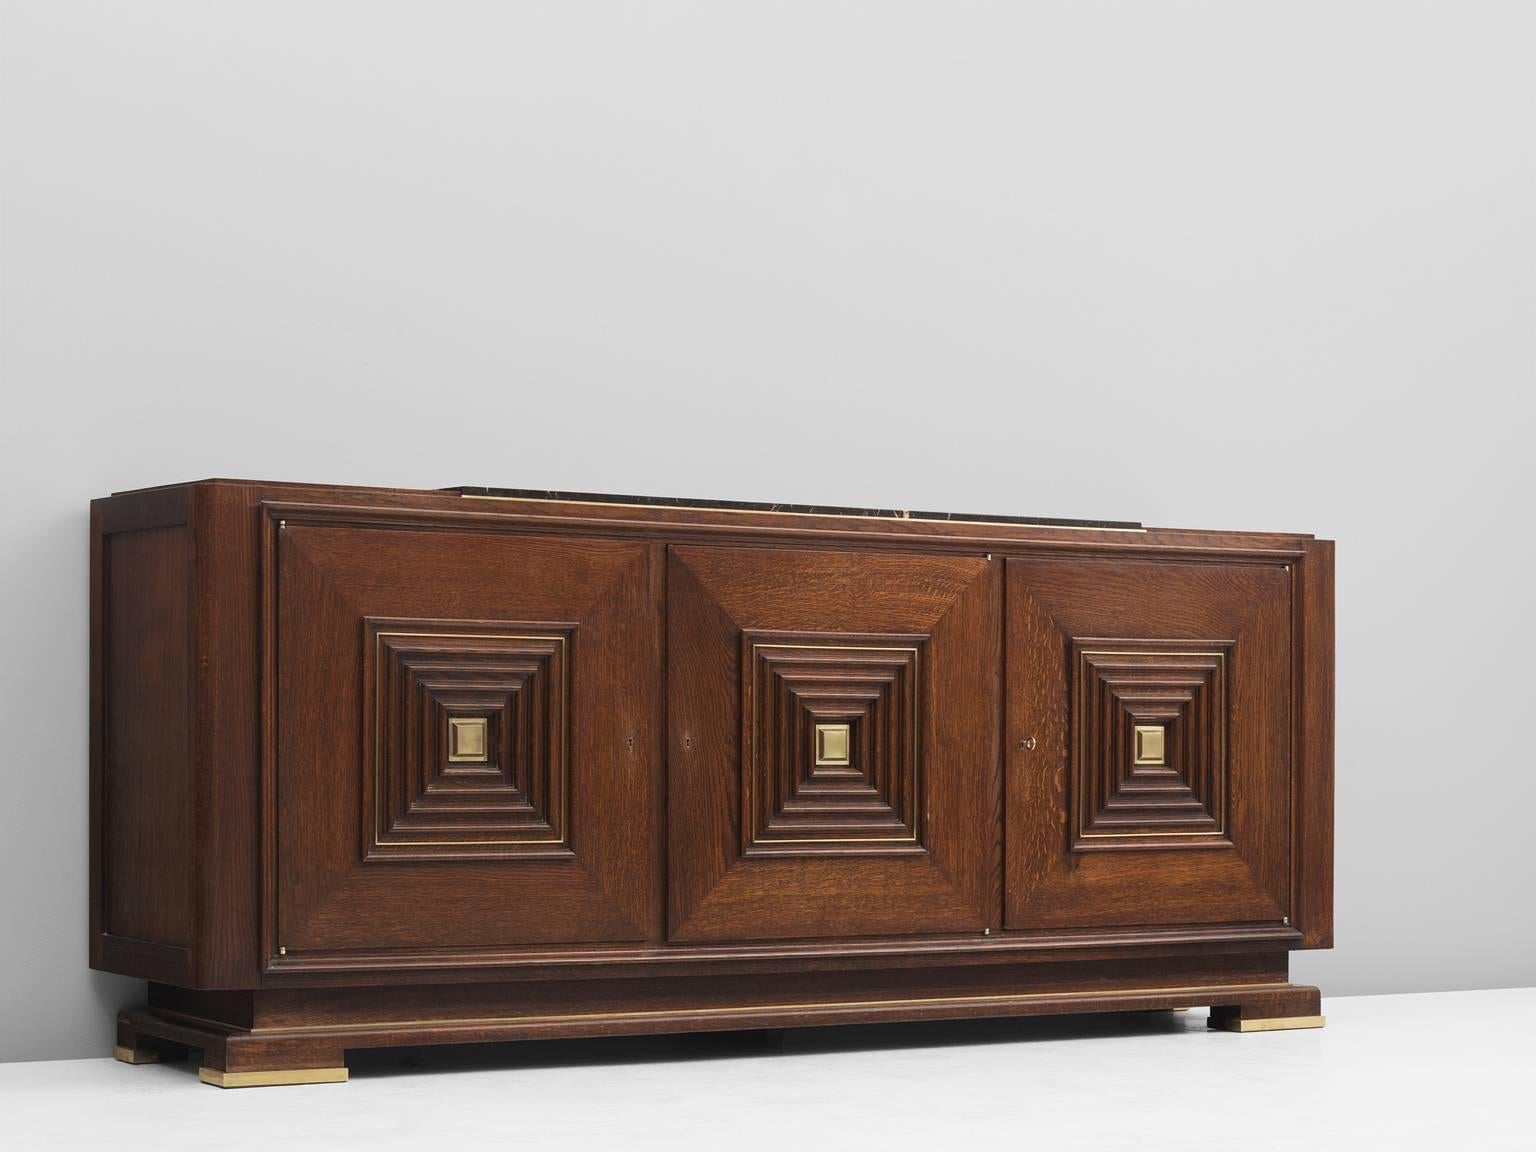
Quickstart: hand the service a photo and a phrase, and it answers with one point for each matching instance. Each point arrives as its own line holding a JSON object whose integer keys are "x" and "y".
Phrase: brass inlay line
{"x": 378, "y": 731}
{"x": 1217, "y": 991}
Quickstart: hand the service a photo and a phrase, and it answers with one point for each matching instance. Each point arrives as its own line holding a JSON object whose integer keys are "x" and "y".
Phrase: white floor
{"x": 1451, "y": 1070}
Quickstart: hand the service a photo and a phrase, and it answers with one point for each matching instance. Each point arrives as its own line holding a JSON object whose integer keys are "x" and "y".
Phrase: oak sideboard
{"x": 381, "y": 767}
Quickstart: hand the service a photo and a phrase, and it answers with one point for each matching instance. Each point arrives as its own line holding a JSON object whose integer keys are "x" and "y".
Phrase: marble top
{"x": 764, "y": 506}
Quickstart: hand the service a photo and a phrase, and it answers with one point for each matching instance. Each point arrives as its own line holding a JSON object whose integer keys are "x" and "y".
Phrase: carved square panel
{"x": 1149, "y": 746}
{"x": 831, "y": 744}
{"x": 1204, "y": 836}
{"x": 466, "y": 738}
{"x": 769, "y": 647}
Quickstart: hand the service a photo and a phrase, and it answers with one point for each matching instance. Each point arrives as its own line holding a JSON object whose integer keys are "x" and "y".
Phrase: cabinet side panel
{"x": 146, "y": 780}
{"x": 228, "y": 574}
{"x": 1314, "y": 777}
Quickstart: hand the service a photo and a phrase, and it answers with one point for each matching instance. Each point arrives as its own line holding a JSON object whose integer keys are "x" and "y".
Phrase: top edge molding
{"x": 686, "y": 503}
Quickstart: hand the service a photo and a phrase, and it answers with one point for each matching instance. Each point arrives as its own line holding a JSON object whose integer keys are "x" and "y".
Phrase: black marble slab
{"x": 763, "y": 506}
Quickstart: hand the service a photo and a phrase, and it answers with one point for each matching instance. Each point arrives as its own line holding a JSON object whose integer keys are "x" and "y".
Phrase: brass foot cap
{"x": 135, "y": 1055}
{"x": 1274, "y": 1024}
{"x": 270, "y": 1079}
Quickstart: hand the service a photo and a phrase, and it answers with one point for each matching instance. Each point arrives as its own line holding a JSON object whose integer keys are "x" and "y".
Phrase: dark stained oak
{"x": 837, "y": 609}
{"x": 472, "y": 879}
{"x": 149, "y": 661}
{"x": 1312, "y": 835}
{"x": 287, "y": 844}
{"x": 263, "y": 1030}
{"x": 1168, "y": 615}
{"x": 143, "y": 913}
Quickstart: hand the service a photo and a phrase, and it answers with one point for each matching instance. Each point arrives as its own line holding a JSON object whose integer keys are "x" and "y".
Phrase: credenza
{"x": 381, "y": 767}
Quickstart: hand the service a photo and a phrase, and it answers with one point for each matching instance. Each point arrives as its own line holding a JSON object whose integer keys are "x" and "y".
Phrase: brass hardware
{"x": 468, "y": 740}
{"x": 1275, "y": 1024}
{"x": 221, "y": 1079}
{"x": 1028, "y": 745}
{"x": 832, "y": 744}
{"x": 1149, "y": 744}
{"x": 135, "y": 1055}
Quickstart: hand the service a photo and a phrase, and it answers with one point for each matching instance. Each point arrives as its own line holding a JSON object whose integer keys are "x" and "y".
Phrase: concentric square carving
{"x": 831, "y": 751}
{"x": 1149, "y": 749}
{"x": 466, "y": 739}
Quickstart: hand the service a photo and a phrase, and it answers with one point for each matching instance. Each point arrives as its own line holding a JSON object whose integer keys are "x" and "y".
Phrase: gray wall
{"x": 1209, "y": 265}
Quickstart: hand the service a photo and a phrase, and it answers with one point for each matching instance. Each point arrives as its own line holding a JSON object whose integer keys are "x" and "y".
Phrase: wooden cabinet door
{"x": 833, "y": 729}
{"x": 1149, "y": 742}
{"x": 464, "y": 742}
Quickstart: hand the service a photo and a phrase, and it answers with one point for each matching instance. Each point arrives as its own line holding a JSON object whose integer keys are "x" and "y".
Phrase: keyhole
{"x": 1028, "y": 745}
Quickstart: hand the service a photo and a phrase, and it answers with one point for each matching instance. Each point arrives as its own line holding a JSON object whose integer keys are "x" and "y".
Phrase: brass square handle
{"x": 468, "y": 740}
{"x": 832, "y": 745}
{"x": 1151, "y": 741}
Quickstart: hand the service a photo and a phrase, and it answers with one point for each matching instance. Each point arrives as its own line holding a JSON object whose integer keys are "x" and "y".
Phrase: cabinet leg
{"x": 135, "y": 1055}
{"x": 1296, "y": 1007}
{"x": 233, "y": 1056}
{"x": 245, "y": 1062}
{"x": 133, "y": 1047}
